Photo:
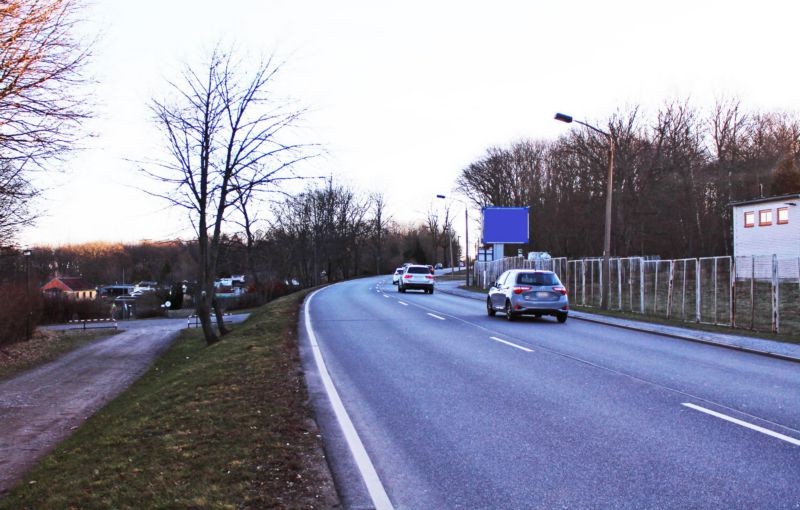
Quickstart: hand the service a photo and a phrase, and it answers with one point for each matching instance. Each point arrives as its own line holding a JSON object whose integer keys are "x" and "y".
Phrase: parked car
{"x": 416, "y": 277}
{"x": 438, "y": 265}
{"x": 398, "y": 273}
{"x": 525, "y": 292}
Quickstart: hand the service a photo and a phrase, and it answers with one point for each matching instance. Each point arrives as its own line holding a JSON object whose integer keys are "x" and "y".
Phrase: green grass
{"x": 225, "y": 426}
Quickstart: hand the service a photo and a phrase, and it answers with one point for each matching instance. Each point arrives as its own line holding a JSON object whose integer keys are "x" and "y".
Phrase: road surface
{"x": 455, "y": 409}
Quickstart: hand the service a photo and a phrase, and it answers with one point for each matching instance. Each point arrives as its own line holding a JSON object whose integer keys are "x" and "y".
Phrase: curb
{"x": 768, "y": 354}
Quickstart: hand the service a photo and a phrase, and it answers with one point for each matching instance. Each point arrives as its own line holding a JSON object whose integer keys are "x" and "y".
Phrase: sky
{"x": 404, "y": 95}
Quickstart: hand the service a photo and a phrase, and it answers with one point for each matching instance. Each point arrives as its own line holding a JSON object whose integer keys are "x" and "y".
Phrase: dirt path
{"x": 39, "y": 408}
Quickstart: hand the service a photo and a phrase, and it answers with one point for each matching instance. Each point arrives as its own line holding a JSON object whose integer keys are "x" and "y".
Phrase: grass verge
{"x": 45, "y": 346}
{"x": 225, "y": 426}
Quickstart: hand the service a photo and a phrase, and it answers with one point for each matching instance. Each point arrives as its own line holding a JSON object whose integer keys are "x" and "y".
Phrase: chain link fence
{"x": 754, "y": 293}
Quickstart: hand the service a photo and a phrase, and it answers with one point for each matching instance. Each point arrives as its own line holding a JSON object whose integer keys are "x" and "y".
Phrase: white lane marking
{"x": 509, "y": 343}
{"x": 404, "y": 304}
{"x": 436, "y": 316}
{"x": 374, "y": 486}
{"x": 768, "y": 432}
{"x": 386, "y": 295}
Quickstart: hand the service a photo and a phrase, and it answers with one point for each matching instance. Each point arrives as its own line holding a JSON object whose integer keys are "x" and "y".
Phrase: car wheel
{"x": 399, "y": 288}
{"x": 490, "y": 311}
{"x": 561, "y": 317}
{"x": 430, "y": 291}
{"x": 509, "y": 313}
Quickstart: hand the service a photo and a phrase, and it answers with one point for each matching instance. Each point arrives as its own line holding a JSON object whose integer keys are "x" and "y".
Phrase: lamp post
{"x": 466, "y": 231}
{"x": 605, "y": 280}
{"x": 27, "y": 254}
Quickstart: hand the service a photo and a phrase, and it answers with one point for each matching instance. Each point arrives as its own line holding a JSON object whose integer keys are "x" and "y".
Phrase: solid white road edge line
{"x": 374, "y": 486}
{"x": 768, "y": 432}
{"x": 509, "y": 343}
{"x": 436, "y": 316}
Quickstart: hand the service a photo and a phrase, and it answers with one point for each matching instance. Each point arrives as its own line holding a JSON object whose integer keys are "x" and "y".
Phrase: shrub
{"x": 14, "y": 309}
{"x": 61, "y": 308}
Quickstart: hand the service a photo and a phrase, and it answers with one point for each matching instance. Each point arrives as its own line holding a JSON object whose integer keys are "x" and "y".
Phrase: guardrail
{"x": 194, "y": 320}
{"x": 95, "y": 323}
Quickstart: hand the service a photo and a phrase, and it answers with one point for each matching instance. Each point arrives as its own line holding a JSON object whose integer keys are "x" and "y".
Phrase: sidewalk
{"x": 781, "y": 350}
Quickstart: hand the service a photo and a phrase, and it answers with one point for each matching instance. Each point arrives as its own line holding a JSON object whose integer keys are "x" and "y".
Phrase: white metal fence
{"x": 756, "y": 293}
{"x": 486, "y": 273}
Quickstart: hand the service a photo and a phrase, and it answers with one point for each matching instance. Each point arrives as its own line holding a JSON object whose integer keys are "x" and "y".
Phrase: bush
{"x": 14, "y": 308}
{"x": 60, "y": 308}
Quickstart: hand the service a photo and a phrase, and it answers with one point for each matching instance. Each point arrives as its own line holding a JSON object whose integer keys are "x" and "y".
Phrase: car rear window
{"x": 537, "y": 279}
{"x": 419, "y": 270}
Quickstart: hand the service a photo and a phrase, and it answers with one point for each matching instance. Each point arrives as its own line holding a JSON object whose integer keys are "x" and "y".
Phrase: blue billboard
{"x": 505, "y": 225}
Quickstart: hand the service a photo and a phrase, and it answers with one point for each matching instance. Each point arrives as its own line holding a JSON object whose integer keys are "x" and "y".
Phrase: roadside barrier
{"x": 194, "y": 320}
{"x": 94, "y": 323}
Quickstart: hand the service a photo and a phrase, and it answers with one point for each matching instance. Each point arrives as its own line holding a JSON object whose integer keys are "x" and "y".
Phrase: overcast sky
{"x": 404, "y": 95}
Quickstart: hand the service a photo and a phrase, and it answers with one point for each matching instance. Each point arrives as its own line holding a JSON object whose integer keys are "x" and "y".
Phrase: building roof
{"x": 68, "y": 284}
{"x": 793, "y": 196}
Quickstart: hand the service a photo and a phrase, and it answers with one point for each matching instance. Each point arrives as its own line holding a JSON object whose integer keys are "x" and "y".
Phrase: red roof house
{"x": 71, "y": 286}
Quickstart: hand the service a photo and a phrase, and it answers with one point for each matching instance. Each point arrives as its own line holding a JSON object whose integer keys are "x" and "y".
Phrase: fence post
{"x": 776, "y": 319}
{"x": 583, "y": 281}
{"x": 630, "y": 281}
{"x": 732, "y": 297}
{"x": 683, "y": 293}
{"x": 641, "y": 285}
{"x": 752, "y": 291}
{"x": 670, "y": 287}
{"x": 697, "y": 287}
{"x": 619, "y": 282}
{"x": 715, "y": 291}
{"x": 655, "y": 290}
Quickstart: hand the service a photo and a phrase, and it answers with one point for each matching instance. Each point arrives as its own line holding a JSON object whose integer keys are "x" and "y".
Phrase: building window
{"x": 765, "y": 217}
{"x": 749, "y": 219}
{"x": 783, "y": 215}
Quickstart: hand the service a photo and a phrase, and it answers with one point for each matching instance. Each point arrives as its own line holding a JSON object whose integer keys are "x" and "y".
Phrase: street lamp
{"x": 605, "y": 280}
{"x": 466, "y": 230}
{"x": 27, "y": 254}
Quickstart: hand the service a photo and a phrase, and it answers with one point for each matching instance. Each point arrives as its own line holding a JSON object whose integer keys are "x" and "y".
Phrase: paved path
{"x": 41, "y": 407}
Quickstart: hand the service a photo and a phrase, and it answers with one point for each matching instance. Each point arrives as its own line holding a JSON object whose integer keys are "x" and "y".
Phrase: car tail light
{"x": 429, "y": 276}
{"x": 560, "y": 289}
{"x": 520, "y": 289}
{"x": 407, "y": 276}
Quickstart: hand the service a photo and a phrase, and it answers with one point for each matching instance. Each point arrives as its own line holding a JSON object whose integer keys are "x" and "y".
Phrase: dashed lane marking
{"x": 511, "y": 344}
{"x": 750, "y": 426}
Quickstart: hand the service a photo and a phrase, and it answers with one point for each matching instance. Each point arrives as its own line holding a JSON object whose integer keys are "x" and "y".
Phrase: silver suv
{"x": 416, "y": 277}
{"x": 527, "y": 292}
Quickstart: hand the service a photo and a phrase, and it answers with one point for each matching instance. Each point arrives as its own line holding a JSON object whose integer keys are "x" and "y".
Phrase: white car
{"x": 416, "y": 277}
{"x": 398, "y": 273}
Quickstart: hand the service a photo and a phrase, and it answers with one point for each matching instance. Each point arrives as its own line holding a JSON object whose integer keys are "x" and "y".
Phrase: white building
{"x": 767, "y": 226}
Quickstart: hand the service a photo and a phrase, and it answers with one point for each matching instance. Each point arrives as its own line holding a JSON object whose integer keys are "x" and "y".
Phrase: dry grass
{"x": 226, "y": 426}
{"x": 44, "y": 346}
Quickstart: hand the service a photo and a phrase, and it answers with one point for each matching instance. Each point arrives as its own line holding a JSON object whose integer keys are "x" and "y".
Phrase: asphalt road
{"x": 459, "y": 410}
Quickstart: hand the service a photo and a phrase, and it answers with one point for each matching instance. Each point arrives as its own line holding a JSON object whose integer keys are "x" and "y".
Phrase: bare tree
{"x": 378, "y": 228}
{"x": 222, "y": 130}
{"x": 42, "y": 103}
